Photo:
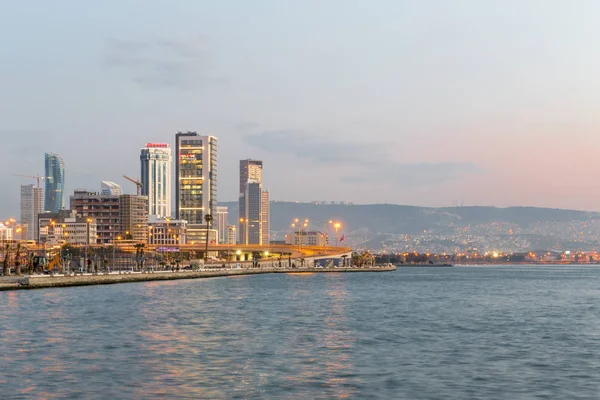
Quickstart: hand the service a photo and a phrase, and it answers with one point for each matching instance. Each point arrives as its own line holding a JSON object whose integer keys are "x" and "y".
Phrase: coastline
{"x": 53, "y": 281}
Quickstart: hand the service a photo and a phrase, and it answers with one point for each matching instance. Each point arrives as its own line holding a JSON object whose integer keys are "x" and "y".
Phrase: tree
{"x": 18, "y": 259}
{"x": 6, "y": 271}
{"x": 208, "y": 219}
{"x": 139, "y": 254}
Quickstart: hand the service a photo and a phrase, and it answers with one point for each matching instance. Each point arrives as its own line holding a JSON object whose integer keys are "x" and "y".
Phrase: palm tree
{"x": 18, "y": 259}
{"x": 208, "y": 219}
{"x": 6, "y": 271}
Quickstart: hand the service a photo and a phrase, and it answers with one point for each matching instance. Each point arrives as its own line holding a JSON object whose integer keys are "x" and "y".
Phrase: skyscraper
{"x": 253, "y": 204}
{"x": 195, "y": 182}
{"x": 264, "y": 218}
{"x": 32, "y": 204}
{"x": 54, "y": 168}
{"x": 156, "y": 178}
{"x": 222, "y": 216}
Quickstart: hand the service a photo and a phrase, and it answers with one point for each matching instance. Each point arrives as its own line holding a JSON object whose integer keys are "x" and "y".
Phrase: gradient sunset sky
{"x": 420, "y": 102}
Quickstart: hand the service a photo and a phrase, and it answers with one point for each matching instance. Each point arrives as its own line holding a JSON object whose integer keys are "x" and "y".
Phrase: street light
{"x": 300, "y": 226}
{"x": 337, "y": 226}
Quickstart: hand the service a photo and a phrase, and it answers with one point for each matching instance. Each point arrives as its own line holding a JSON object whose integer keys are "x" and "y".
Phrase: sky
{"x": 420, "y": 102}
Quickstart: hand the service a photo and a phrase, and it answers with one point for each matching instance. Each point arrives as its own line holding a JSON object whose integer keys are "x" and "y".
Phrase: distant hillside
{"x": 399, "y": 219}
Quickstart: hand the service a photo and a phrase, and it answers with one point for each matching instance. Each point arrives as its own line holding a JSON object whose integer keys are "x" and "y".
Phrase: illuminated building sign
{"x": 156, "y": 145}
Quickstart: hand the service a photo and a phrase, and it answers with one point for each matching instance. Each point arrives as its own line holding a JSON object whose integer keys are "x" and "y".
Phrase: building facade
{"x": 32, "y": 204}
{"x": 6, "y": 233}
{"x": 222, "y": 224}
{"x": 66, "y": 227}
{"x": 231, "y": 234}
{"x": 265, "y": 218}
{"x": 306, "y": 238}
{"x": 166, "y": 231}
{"x": 195, "y": 182}
{"x": 252, "y": 224}
{"x": 155, "y": 161}
{"x": 104, "y": 209}
{"x": 133, "y": 214}
{"x": 54, "y": 168}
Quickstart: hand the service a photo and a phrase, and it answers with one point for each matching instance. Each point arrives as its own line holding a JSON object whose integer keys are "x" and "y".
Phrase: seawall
{"x": 50, "y": 281}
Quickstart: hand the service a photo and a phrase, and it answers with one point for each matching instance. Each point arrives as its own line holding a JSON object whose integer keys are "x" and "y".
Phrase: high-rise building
{"x": 195, "y": 182}
{"x": 253, "y": 204}
{"x": 104, "y": 209}
{"x": 156, "y": 178}
{"x": 222, "y": 216}
{"x": 264, "y": 218}
{"x": 109, "y": 188}
{"x": 115, "y": 216}
{"x": 250, "y": 170}
{"x": 54, "y": 168}
{"x": 252, "y": 221}
{"x": 32, "y": 204}
{"x": 133, "y": 213}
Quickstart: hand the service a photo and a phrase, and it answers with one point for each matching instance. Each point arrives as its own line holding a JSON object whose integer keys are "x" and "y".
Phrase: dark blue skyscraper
{"x": 55, "y": 180}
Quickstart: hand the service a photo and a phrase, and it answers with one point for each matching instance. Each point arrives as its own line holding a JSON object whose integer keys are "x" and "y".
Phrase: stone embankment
{"x": 49, "y": 281}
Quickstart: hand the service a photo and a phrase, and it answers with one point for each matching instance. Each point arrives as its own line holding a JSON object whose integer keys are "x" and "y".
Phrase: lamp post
{"x": 337, "y": 226}
{"x": 300, "y": 225}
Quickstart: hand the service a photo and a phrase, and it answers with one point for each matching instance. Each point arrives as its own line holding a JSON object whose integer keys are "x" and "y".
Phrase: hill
{"x": 392, "y": 218}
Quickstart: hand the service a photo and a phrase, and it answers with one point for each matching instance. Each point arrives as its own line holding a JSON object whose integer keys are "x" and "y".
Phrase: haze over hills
{"x": 406, "y": 228}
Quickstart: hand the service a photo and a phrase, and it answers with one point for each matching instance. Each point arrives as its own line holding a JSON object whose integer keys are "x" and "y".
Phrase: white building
{"x": 6, "y": 233}
{"x": 231, "y": 234}
{"x": 32, "y": 204}
{"x": 306, "y": 238}
{"x": 166, "y": 231}
{"x": 222, "y": 216}
{"x": 265, "y": 216}
{"x": 109, "y": 188}
{"x": 155, "y": 161}
{"x": 196, "y": 182}
{"x": 66, "y": 227}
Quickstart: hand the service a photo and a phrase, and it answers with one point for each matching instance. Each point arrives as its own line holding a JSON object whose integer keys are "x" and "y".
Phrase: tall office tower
{"x": 195, "y": 182}
{"x": 109, "y": 188}
{"x": 222, "y": 216}
{"x": 252, "y": 222}
{"x": 264, "y": 218}
{"x": 32, "y": 204}
{"x": 55, "y": 180}
{"x": 250, "y": 171}
{"x": 133, "y": 213}
{"x": 156, "y": 178}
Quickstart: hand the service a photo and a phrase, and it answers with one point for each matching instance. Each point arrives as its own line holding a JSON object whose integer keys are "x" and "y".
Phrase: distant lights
{"x": 156, "y": 145}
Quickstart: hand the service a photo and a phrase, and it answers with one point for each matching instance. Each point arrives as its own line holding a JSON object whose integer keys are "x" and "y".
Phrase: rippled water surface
{"x": 418, "y": 333}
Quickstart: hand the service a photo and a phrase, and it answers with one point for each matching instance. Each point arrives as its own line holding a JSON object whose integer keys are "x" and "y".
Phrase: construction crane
{"x": 138, "y": 184}
{"x": 36, "y": 177}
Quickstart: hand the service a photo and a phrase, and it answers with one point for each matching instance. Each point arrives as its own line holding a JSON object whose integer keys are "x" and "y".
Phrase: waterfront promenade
{"x": 60, "y": 280}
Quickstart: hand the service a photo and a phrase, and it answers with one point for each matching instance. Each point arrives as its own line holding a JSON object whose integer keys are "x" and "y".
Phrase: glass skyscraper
{"x": 54, "y": 169}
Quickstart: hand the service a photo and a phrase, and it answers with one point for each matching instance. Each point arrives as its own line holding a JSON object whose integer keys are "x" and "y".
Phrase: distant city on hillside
{"x": 399, "y": 228}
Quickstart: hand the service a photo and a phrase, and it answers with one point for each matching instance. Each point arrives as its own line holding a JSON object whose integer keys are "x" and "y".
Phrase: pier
{"x": 61, "y": 280}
